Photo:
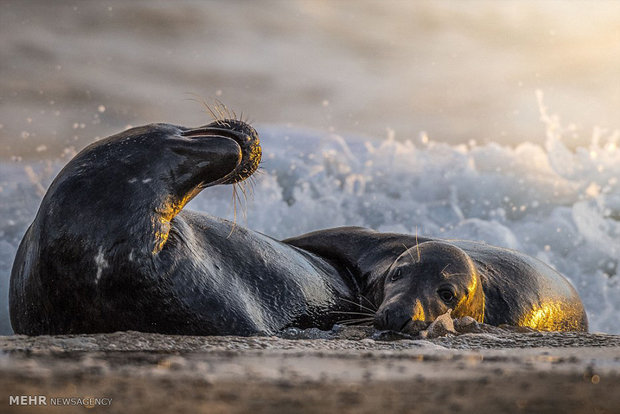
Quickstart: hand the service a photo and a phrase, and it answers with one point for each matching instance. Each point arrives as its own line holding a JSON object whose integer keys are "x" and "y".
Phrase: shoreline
{"x": 172, "y": 373}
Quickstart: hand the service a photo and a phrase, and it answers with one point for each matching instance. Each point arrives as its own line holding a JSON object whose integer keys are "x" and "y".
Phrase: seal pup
{"x": 413, "y": 280}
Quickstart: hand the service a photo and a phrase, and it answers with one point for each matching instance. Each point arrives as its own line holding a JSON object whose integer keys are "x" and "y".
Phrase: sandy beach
{"x": 483, "y": 373}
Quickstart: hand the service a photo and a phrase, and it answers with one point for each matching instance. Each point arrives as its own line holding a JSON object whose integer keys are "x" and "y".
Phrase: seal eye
{"x": 396, "y": 275}
{"x": 446, "y": 294}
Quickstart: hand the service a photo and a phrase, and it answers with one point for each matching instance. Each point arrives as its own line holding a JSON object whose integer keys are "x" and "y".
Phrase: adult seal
{"x": 111, "y": 249}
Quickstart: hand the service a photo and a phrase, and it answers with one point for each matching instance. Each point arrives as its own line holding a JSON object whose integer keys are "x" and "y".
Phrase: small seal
{"x": 111, "y": 249}
{"x": 412, "y": 281}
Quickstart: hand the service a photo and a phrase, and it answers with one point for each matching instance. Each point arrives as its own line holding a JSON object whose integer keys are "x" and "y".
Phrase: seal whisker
{"x": 244, "y": 209}
{"x": 362, "y": 323}
{"x": 237, "y": 187}
{"x": 395, "y": 260}
{"x": 218, "y": 115}
{"x": 251, "y": 185}
{"x": 224, "y": 109}
{"x": 219, "y": 110}
{"x": 372, "y": 305}
{"x": 243, "y": 189}
{"x": 197, "y": 98}
{"x": 355, "y": 322}
{"x": 228, "y": 112}
{"x": 224, "y": 123}
{"x": 456, "y": 274}
{"x": 234, "y": 202}
{"x": 358, "y": 304}
{"x": 215, "y": 117}
{"x": 346, "y": 323}
{"x": 407, "y": 250}
{"x": 354, "y": 313}
{"x": 357, "y": 319}
{"x": 201, "y": 100}
{"x": 235, "y": 198}
{"x": 249, "y": 188}
{"x": 417, "y": 245}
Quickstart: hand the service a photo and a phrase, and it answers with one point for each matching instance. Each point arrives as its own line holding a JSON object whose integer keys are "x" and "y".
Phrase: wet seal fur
{"x": 412, "y": 281}
{"x": 111, "y": 249}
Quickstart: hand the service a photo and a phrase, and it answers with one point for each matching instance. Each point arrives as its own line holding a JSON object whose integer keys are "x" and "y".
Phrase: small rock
{"x": 441, "y": 326}
{"x": 466, "y": 324}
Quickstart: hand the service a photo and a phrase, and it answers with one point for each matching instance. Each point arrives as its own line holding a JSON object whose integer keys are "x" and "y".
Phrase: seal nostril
{"x": 392, "y": 319}
{"x": 386, "y": 318}
{"x": 381, "y": 319}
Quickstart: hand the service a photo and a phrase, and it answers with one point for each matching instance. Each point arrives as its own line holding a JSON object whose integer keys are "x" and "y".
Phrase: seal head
{"x": 425, "y": 282}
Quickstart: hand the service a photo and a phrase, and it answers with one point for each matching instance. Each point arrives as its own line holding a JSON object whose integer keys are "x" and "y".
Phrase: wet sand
{"x": 483, "y": 372}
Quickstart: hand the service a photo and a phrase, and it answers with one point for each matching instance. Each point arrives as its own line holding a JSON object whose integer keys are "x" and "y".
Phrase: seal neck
{"x": 164, "y": 215}
{"x": 474, "y": 303}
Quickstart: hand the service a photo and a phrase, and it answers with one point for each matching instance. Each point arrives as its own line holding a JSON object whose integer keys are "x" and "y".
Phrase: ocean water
{"x": 556, "y": 202}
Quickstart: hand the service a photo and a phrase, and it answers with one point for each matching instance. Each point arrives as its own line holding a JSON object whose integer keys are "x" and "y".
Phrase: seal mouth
{"x": 240, "y": 132}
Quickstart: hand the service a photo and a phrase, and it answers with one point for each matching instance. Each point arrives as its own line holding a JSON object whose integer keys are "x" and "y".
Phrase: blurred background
{"x": 407, "y": 116}
{"x": 71, "y": 71}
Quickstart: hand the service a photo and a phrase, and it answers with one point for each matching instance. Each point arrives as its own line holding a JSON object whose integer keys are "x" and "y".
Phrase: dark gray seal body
{"x": 414, "y": 280}
{"x": 111, "y": 249}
